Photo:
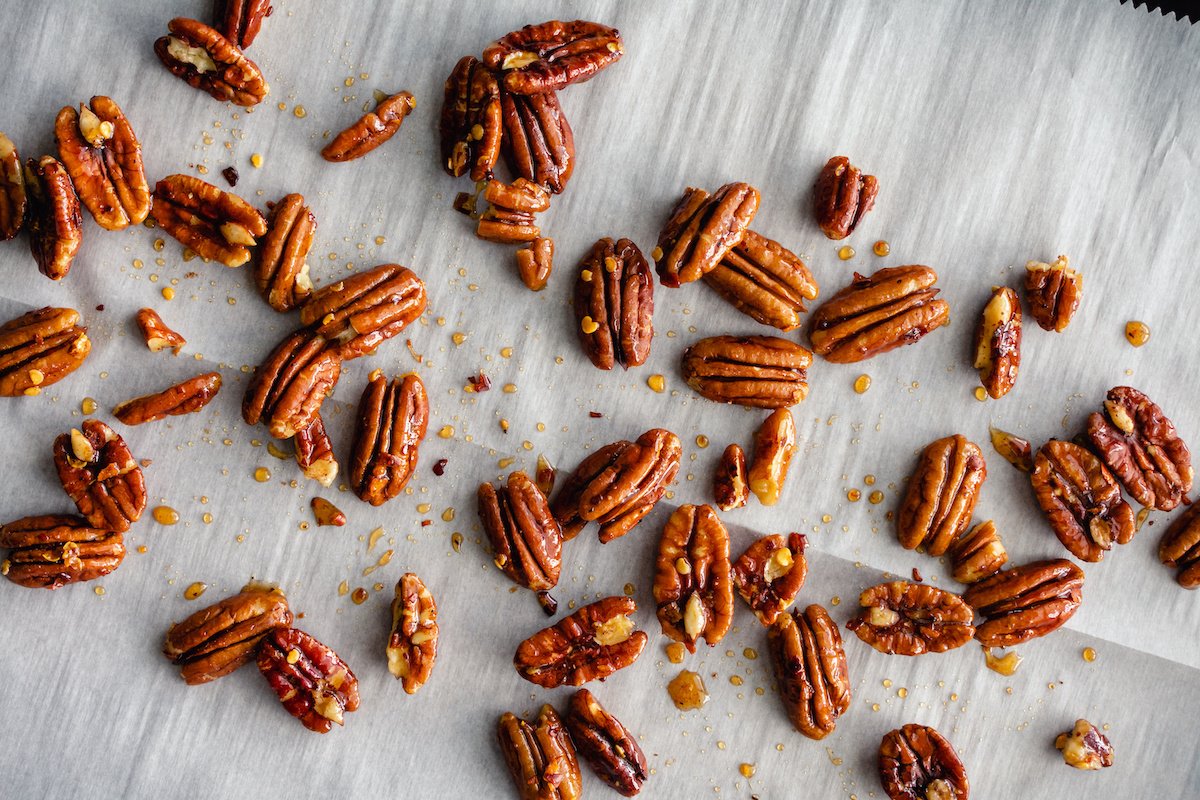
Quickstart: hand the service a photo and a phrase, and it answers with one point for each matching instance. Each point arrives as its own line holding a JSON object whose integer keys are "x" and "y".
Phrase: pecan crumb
{"x": 100, "y": 307}
{"x": 231, "y": 175}
{"x": 439, "y": 468}
{"x": 479, "y": 383}
{"x": 595, "y": 414}
{"x": 917, "y": 575}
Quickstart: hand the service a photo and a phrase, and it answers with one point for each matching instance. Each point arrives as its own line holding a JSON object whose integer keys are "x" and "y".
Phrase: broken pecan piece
{"x": 217, "y": 640}
{"x": 360, "y": 312}
{"x": 508, "y": 218}
{"x": 314, "y": 452}
{"x": 693, "y": 582}
{"x": 52, "y": 217}
{"x": 764, "y": 280}
{"x": 52, "y": 550}
{"x": 978, "y": 554}
{"x": 842, "y": 197}
{"x": 40, "y": 348}
{"x": 774, "y": 445}
{"x": 372, "y": 129}
{"x": 1180, "y": 547}
{"x": 534, "y": 263}
{"x": 391, "y": 425}
{"x": 998, "y": 342}
{"x": 553, "y": 55}
{"x": 1081, "y": 500}
{"x": 1139, "y": 444}
{"x": 541, "y": 759}
{"x": 326, "y": 513}
{"x": 206, "y": 60}
{"x": 182, "y": 398}
{"x": 538, "y": 142}
{"x": 314, "y": 685}
{"x": 917, "y": 763}
{"x": 470, "y": 127}
{"x": 606, "y": 744}
{"x": 810, "y": 666}
{"x": 101, "y": 154}
{"x": 239, "y": 21}
{"x": 525, "y": 536}
{"x": 1053, "y": 291}
{"x": 1016, "y": 451}
{"x": 565, "y": 507}
{"x": 213, "y": 223}
{"x": 626, "y": 490}
{"x": 702, "y": 230}
{"x": 762, "y": 371}
{"x": 614, "y": 305}
{"x": 412, "y": 646}
{"x": 909, "y": 619}
{"x": 941, "y": 495}
{"x": 158, "y": 336}
{"x": 770, "y": 573}
{"x": 12, "y": 190}
{"x": 593, "y": 643}
{"x": 1085, "y": 747}
{"x": 1026, "y": 602}
{"x": 731, "y": 488}
{"x": 288, "y": 388}
{"x": 99, "y": 473}
{"x": 280, "y": 268}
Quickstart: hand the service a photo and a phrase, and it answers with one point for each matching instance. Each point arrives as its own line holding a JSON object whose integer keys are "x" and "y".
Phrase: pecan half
{"x": 593, "y": 643}
{"x": 842, "y": 197}
{"x": 1026, "y": 602}
{"x": 52, "y": 217}
{"x": 534, "y": 263}
{"x": 98, "y": 472}
{"x": 893, "y": 307}
{"x": 412, "y": 645}
{"x": 158, "y": 336}
{"x": 810, "y": 666}
{"x": 998, "y": 342}
{"x": 978, "y": 554}
{"x": 702, "y": 230}
{"x": 1053, "y": 291}
{"x": 565, "y": 507}
{"x": 1081, "y": 500}
{"x": 693, "y": 583}
{"x": 213, "y": 223}
{"x": 239, "y": 21}
{"x": 508, "y": 218}
{"x": 731, "y": 488}
{"x": 391, "y": 425}
{"x": 774, "y": 445}
{"x": 770, "y": 573}
{"x": 1085, "y": 747}
{"x": 762, "y": 371}
{"x": 314, "y": 685}
{"x": 606, "y": 744}
{"x": 206, "y": 60}
{"x": 101, "y": 154}
{"x": 540, "y": 757}
{"x": 52, "y": 550}
{"x": 941, "y": 495}
{"x": 614, "y": 305}
{"x": 40, "y": 348}
{"x": 909, "y": 619}
{"x": 917, "y": 763}
{"x": 626, "y": 490}
{"x": 1139, "y": 444}
{"x": 372, "y": 129}
{"x": 217, "y": 640}
{"x": 470, "y": 127}
{"x": 182, "y": 398}
{"x": 280, "y": 268}
{"x": 288, "y": 388}
{"x": 553, "y": 55}
{"x": 525, "y": 536}
{"x": 764, "y": 280}
{"x": 12, "y": 190}
{"x": 1180, "y": 547}
{"x": 314, "y": 452}
{"x": 538, "y": 142}
{"x": 368, "y": 308}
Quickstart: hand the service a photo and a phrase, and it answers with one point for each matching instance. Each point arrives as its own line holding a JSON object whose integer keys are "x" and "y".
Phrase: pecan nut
{"x": 182, "y": 398}
{"x": 314, "y": 452}
{"x": 156, "y": 333}
{"x": 810, "y": 666}
{"x": 762, "y": 371}
{"x": 614, "y": 305}
{"x": 843, "y": 196}
{"x": 998, "y": 342}
{"x": 565, "y": 507}
{"x": 288, "y": 388}
{"x": 1053, "y": 291}
{"x": 206, "y": 60}
{"x": 217, "y": 640}
{"x": 553, "y": 55}
{"x": 1085, "y": 747}
{"x": 774, "y": 445}
{"x": 53, "y": 550}
{"x": 1081, "y": 500}
{"x": 1180, "y": 547}
{"x": 626, "y": 490}
{"x": 909, "y": 619}
{"x": 1013, "y": 448}
{"x": 391, "y": 425}
{"x": 280, "y": 268}
{"x": 326, "y": 513}
{"x": 99, "y": 473}
{"x": 470, "y": 127}
{"x": 978, "y": 554}
{"x": 538, "y": 142}
{"x": 764, "y": 280}
{"x": 917, "y": 763}
{"x": 534, "y": 263}
{"x": 508, "y": 218}
{"x": 1139, "y": 444}
{"x": 101, "y": 154}
{"x": 702, "y": 230}
{"x": 40, "y": 348}
{"x": 731, "y": 488}
{"x": 368, "y": 308}
{"x": 12, "y": 190}
{"x": 693, "y": 581}
{"x": 314, "y": 685}
{"x": 606, "y": 744}
{"x": 525, "y": 536}
{"x": 941, "y": 495}
{"x": 53, "y": 218}
{"x": 239, "y": 21}
{"x": 412, "y": 645}
{"x": 770, "y": 573}
{"x": 213, "y": 223}
{"x": 1026, "y": 602}
{"x": 540, "y": 757}
{"x": 591, "y": 644}
{"x": 372, "y": 129}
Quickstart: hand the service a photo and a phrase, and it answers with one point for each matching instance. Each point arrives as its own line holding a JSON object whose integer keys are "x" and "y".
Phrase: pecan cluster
{"x": 39, "y": 349}
{"x": 525, "y": 537}
{"x": 614, "y": 305}
{"x": 810, "y": 666}
{"x": 591, "y": 644}
{"x": 909, "y": 619}
{"x": 941, "y": 495}
{"x": 391, "y": 425}
{"x": 100, "y": 152}
{"x": 693, "y": 581}
{"x": 917, "y": 763}
{"x": 53, "y": 550}
{"x": 1026, "y": 602}
{"x": 762, "y": 371}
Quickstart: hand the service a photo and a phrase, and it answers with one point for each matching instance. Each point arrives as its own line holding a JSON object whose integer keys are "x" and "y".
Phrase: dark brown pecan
{"x": 774, "y": 444}
{"x": 101, "y": 154}
{"x": 998, "y": 342}
{"x": 239, "y": 21}
{"x": 606, "y": 744}
{"x": 593, "y": 643}
{"x": 206, "y": 60}
{"x": 1026, "y": 602}
{"x": 52, "y": 217}
{"x": 288, "y": 388}
{"x": 893, "y": 307}
{"x": 470, "y": 126}
{"x": 372, "y": 129}
{"x": 762, "y": 371}
{"x": 765, "y": 280}
{"x": 391, "y": 425}
{"x": 1015, "y": 450}
{"x": 538, "y": 142}
{"x": 52, "y": 550}
{"x": 40, "y": 348}
{"x": 614, "y": 305}
{"x": 1085, "y": 747}
{"x": 978, "y": 554}
{"x": 941, "y": 495}
{"x": 368, "y": 308}
{"x": 534, "y": 263}
{"x": 1053, "y": 292}
{"x": 314, "y": 685}
{"x": 731, "y": 489}
{"x": 182, "y": 398}
{"x": 565, "y": 507}
{"x": 541, "y": 758}
{"x": 626, "y": 490}
{"x": 770, "y": 573}
{"x": 158, "y": 336}
{"x": 810, "y": 666}
{"x": 280, "y": 268}
{"x": 508, "y": 218}
{"x": 909, "y": 619}
{"x": 525, "y": 537}
{"x": 213, "y": 223}
{"x": 553, "y": 55}
{"x": 693, "y": 582}
{"x": 842, "y": 197}
{"x": 314, "y": 452}
{"x": 217, "y": 640}
{"x": 412, "y": 645}
{"x": 1081, "y": 500}
{"x": 12, "y": 190}
{"x": 917, "y": 763}
{"x": 702, "y": 230}
{"x": 99, "y": 473}
{"x": 1180, "y": 547}
{"x": 1139, "y": 444}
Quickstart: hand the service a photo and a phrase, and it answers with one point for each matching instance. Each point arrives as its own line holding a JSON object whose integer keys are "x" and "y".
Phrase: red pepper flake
{"x": 439, "y": 468}
{"x": 595, "y": 414}
{"x": 426, "y": 522}
{"x": 479, "y": 383}
{"x": 917, "y": 575}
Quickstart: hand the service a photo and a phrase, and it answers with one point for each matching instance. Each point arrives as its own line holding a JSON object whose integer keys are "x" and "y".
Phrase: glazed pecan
{"x": 158, "y": 336}
{"x": 217, "y": 640}
{"x": 627, "y": 489}
{"x": 288, "y": 388}
{"x": 693, "y": 583}
{"x": 1180, "y": 547}
{"x": 508, "y": 218}
{"x": 774, "y": 445}
{"x": 101, "y": 154}
{"x": 810, "y": 667}
{"x": 606, "y": 744}
{"x": 412, "y": 645}
{"x": 52, "y": 550}
{"x": 12, "y": 190}
{"x": 1085, "y": 747}
{"x": 770, "y": 573}
{"x": 534, "y": 263}
{"x": 52, "y": 217}
{"x": 765, "y": 280}
{"x": 206, "y": 60}
{"x": 213, "y": 223}
{"x": 1081, "y": 500}
{"x": 314, "y": 685}
{"x": 239, "y": 21}
{"x": 1016, "y": 451}
{"x": 917, "y": 763}
{"x": 40, "y": 348}
{"x": 391, "y": 425}
{"x": 909, "y": 619}
{"x": 182, "y": 398}
{"x": 1053, "y": 292}
{"x": 731, "y": 489}
{"x": 978, "y": 554}
{"x": 614, "y": 305}
{"x": 314, "y": 452}
{"x": 99, "y": 473}
{"x": 565, "y": 507}
{"x": 280, "y": 268}
{"x": 538, "y": 142}
{"x": 702, "y": 230}
{"x": 368, "y": 308}
{"x": 540, "y": 757}
{"x": 553, "y": 55}
{"x": 326, "y": 513}
{"x": 470, "y": 126}
{"x": 525, "y": 536}
{"x": 941, "y": 495}
{"x": 998, "y": 342}
{"x": 1139, "y": 444}
{"x": 763, "y": 371}
{"x": 1026, "y": 602}
{"x": 593, "y": 643}
{"x": 372, "y": 129}
{"x": 842, "y": 197}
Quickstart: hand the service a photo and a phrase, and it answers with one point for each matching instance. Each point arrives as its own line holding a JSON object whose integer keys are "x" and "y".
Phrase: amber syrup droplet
{"x": 853, "y": 495}
{"x": 195, "y": 590}
{"x": 862, "y": 384}
{"x": 980, "y": 393}
{"x": 1089, "y": 654}
{"x": 876, "y": 497}
{"x": 1138, "y": 333}
{"x": 1005, "y": 665}
{"x": 846, "y": 253}
{"x": 359, "y": 596}
{"x": 456, "y": 541}
{"x": 882, "y": 248}
{"x": 687, "y": 690}
{"x": 747, "y": 770}
{"x": 165, "y": 515}
{"x": 343, "y": 588}
{"x": 262, "y": 474}
{"x": 675, "y": 652}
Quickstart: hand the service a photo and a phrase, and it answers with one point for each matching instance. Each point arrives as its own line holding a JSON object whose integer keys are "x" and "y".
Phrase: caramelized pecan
{"x": 731, "y": 488}
{"x": 288, "y": 388}
{"x": 391, "y": 424}
{"x": 565, "y": 507}
{"x": 1015, "y": 450}
{"x": 614, "y": 305}
{"x": 1085, "y": 747}
{"x": 1026, "y": 602}
{"x": 372, "y": 129}
{"x": 213, "y": 223}
{"x": 98, "y": 472}
{"x": 764, "y": 280}
{"x": 12, "y": 190}
{"x": 206, "y": 60}
{"x": 626, "y": 490}
{"x": 101, "y": 154}
{"x": 941, "y": 495}
{"x": 553, "y": 55}
{"x": 538, "y": 143}
{"x": 1139, "y": 444}
{"x": 280, "y": 268}
{"x": 217, "y": 640}
{"x": 239, "y": 21}
{"x": 606, "y": 744}
{"x": 412, "y": 645}
{"x": 1081, "y": 500}
{"x": 52, "y": 217}
{"x": 774, "y": 444}
{"x": 314, "y": 452}
{"x": 843, "y": 196}
{"x": 763, "y": 371}
{"x": 810, "y": 667}
{"x": 525, "y": 536}
{"x": 40, "y": 348}
{"x": 360, "y": 312}
{"x": 1053, "y": 292}
{"x": 508, "y": 218}
{"x": 534, "y": 263}
{"x": 702, "y": 230}
{"x": 158, "y": 336}
{"x": 909, "y": 619}
{"x": 326, "y": 513}
{"x": 470, "y": 127}
{"x": 52, "y": 550}
{"x": 998, "y": 342}
{"x": 314, "y": 685}
{"x": 593, "y": 643}
{"x": 541, "y": 759}
{"x": 917, "y": 763}
{"x": 1180, "y": 547}
{"x": 693, "y": 584}
{"x": 978, "y": 553}
{"x": 182, "y": 398}
{"x": 770, "y": 573}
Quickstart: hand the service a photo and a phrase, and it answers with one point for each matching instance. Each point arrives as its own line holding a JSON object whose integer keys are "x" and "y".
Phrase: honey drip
{"x": 1005, "y": 665}
{"x": 384, "y": 560}
{"x": 165, "y": 515}
{"x": 882, "y": 248}
{"x": 1138, "y": 333}
{"x": 675, "y": 652}
{"x": 862, "y": 384}
{"x": 687, "y": 690}
{"x": 195, "y": 590}
{"x": 846, "y": 253}
{"x": 359, "y": 596}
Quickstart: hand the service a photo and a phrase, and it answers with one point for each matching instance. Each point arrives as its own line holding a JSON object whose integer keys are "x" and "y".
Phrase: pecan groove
{"x": 769, "y": 574}
{"x": 100, "y": 152}
{"x": 941, "y": 495}
{"x": 40, "y": 348}
{"x": 591, "y": 644}
{"x": 537, "y": 141}
{"x": 810, "y": 667}
{"x": 52, "y": 217}
{"x": 412, "y": 645}
{"x": 917, "y": 763}
{"x": 764, "y": 280}
{"x": 693, "y": 582}
{"x": 614, "y": 305}
{"x": 206, "y": 60}
{"x": 12, "y": 190}
{"x": 470, "y": 127}
{"x": 1053, "y": 291}
{"x": 1139, "y": 444}
{"x": 525, "y": 537}
{"x": 998, "y": 342}
{"x": 391, "y": 425}
{"x": 1026, "y": 602}
{"x": 762, "y": 371}
{"x": 540, "y": 757}
{"x": 99, "y": 474}
{"x": 53, "y": 550}
{"x": 553, "y": 55}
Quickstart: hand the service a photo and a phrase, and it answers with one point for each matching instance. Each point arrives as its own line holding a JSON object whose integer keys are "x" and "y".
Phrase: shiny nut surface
{"x": 1053, "y": 291}
{"x": 182, "y": 398}
{"x": 978, "y": 553}
{"x": 762, "y": 371}
{"x": 156, "y": 333}
{"x": 239, "y": 21}
{"x": 615, "y": 293}
{"x": 509, "y": 216}
{"x": 535, "y": 262}
{"x": 537, "y": 141}
{"x": 774, "y": 445}
{"x": 553, "y": 55}
{"x": 606, "y": 744}
{"x": 280, "y": 266}
{"x": 1081, "y": 500}
{"x": 371, "y": 130}
{"x": 1026, "y": 602}
{"x": 910, "y": 619}
{"x": 941, "y": 495}
{"x": 314, "y": 685}
{"x": 565, "y": 506}
{"x": 998, "y": 342}
{"x": 540, "y": 757}
{"x": 100, "y": 152}
{"x": 1180, "y": 547}
{"x": 525, "y": 537}
{"x": 591, "y": 644}
{"x": 917, "y": 763}
{"x": 360, "y": 312}
{"x": 222, "y": 637}
{"x": 98, "y": 472}
{"x": 13, "y": 197}
{"x": 470, "y": 126}
{"x": 1140, "y": 446}
{"x": 206, "y": 60}
{"x": 412, "y": 644}
{"x": 810, "y": 667}
{"x": 1085, "y": 747}
{"x": 702, "y": 230}
{"x": 693, "y": 581}
{"x": 53, "y": 550}
{"x": 731, "y": 487}
{"x": 842, "y": 197}
{"x": 53, "y": 218}
{"x": 215, "y": 224}
{"x": 764, "y": 280}
{"x": 769, "y": 574}
{"x": 314, "y": 452}
{"x": 288, "y": 388}
{"x": 392, "y": 419}
{"x": 40, "y": 348}
{"x": 627, "y": 489}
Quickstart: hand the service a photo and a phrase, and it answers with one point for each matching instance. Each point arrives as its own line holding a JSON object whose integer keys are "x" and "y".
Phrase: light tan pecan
{"x": 470, "y": 127}
{"x": 702, "y": 230}
{"x": 917, "y": 763}
{"x": 158, "y": 336}
{"x": 810, "y": 667}
{"x": 98, "y": 472}
{"x": 40, "y": 348}
{"x": 1180, "y": 547}
{"x": 12, "y": 190}
{"x": 627, "y": 489}
{"x": 239, "y": 21}
{"x": 770, "y": 573}
{"x": 1026, "y": 602}
{"x": 52, "y": 550}
{"x": 998, "y": 342}
{"x": 1053, "y": 291}
{"x": 565, "y": 507}
{"x": 280, "y": 268}
{"x": 762, "y": 371}
{"x": 591, "y": 644}
{"x": 540, "y": 757}
{"x": 774, "y": 445}
{"x": 1085, "y": 747}
{"x": 314, "y": 452}
{"x": 412, "y": 645}
{"x": 842, "y": 197}
{"x": 764, "y": 280}
{"x": 978, "y": 554}
{"x": 534, "y": 263}
{"x": 525, "y": 537}
{"x": 1081, "y": 500}
{"x": 314, "y": 685}
{"x": 606, "y": 744}
{"x": 731, "y": 488}
{"x": 909, "y": 619}
{"x": 213, "y": 223}
{"x": 101, "y": 154}
{"x": 372, "y": 129}
{"x": 288, "y": 388}
{"x": 614, "y": 305}
{"x": 368, "y": 308}
{"x": 206, "y": 60}
{"x": 693, "y": 582}
{"x": 538, "y": 142}
{"x": 553, "y": 55}
{"x": 1013, "y": 448}
{"x": 391, "y": 424}
{"x": 1139, "y": 444}
{"x": 52, "y": 217}
{"x": 508, "y": 218}
{"x": 217, "y": 640}
{"x": 941, "y": 495}
{"x": 182, "y": 398}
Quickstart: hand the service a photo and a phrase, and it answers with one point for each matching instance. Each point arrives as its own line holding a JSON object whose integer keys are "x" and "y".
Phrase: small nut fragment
{"x": 53, "y": 550}
{"x": 540, "y": 758}
{"x": 765, "y": 280}
{"x": 978, "y": 553}
{"x": 412, "y": 646}
{"x": 606, "y": 744}
{"x": 593, "y": 643}
{"x": 616, "y": 291}
{"x": 770, "y": 573}
{"x": 215, "y": 224}
{"x": 158, "y": 336}
{"x": 1053, "y": 291}
{"x": 368, "y": 308}
{"x": 731, "y": 488}
{"x": 1016, "y": 451}
{"x": 280, "y": 268}
{"x": 1180, "y": 547}
{"x": 509, "y": 216}
{"x": 1085, "y": 747}
{"x": 239, "y": 21}
{"x": 391, "y": 425}
{"x": 106, "y": 485}
{"x": 47, "y": 342}
{"x": 372, "y": 130}
{"x": 217, "y": 640}
{"x": 104, "y": 159}
{"x": 314, "y": 685}
{"x": 1139, "y": 444}
{"x": 538, "y": 142}
{"x": 288, "y": 388}
{"x": 1026, "y": 602}
{"x": 52, "y": 217}
{"x": 842, "y": 197}
{"x": 917, "y": 763}
{"x": 696, "y": 602}
{"x": 941, "y": 495}
{"x": 909, "y": 619}
{"x": 1081, "y": 500}
{"x": 702, "y": 230}
{"x": 774, "y": 445}
{"x": 762, "y": 371}
{"x": 626, "y": 490}
{"x": 534, "y": 263}
{"x": 206, "y": 60}
{"x": 525, "y": 537}
{"x": 314, "y": 453}
{"x": 327, "y": 513}
{"x": 998, "y": 342}
{"x": 182, "y": 398}
{"x": 553, "y": 55}
{"x": 12, "y": 190}
{"x": 810, "y": 667}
